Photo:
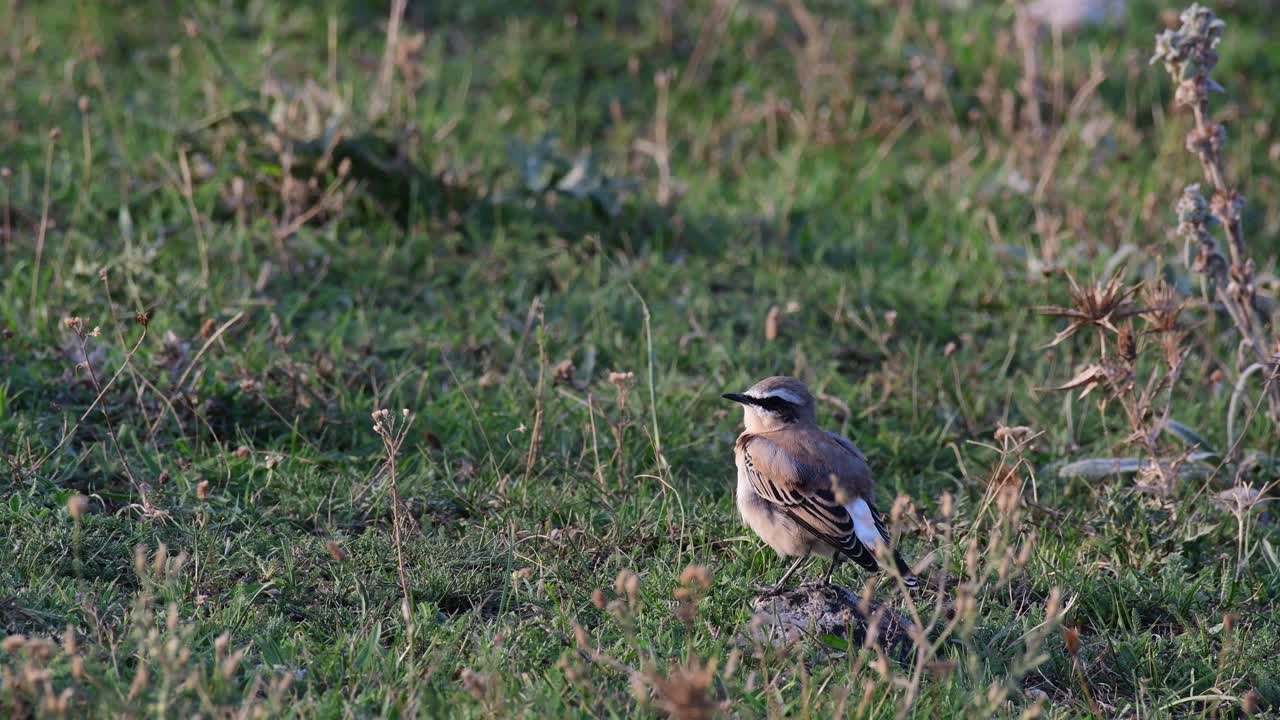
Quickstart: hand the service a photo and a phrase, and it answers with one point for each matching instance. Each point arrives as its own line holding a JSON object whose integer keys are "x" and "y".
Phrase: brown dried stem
{"x": 1190, "y": 56}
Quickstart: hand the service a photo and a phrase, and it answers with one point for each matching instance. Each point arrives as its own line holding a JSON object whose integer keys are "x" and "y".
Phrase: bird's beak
{"x": 739, "y": 398}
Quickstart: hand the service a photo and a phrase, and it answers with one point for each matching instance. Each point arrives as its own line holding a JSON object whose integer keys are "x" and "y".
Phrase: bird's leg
{"x": 831, "y": 569}
{"x": 787, "y": 575}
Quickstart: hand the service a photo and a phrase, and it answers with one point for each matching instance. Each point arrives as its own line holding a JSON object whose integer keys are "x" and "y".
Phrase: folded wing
{"x": 807, "y": 494}
{"x": 816, "y": 484}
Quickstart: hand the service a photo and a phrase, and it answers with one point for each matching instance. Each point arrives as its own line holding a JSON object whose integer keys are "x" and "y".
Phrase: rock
{"x": 820, "y": 612}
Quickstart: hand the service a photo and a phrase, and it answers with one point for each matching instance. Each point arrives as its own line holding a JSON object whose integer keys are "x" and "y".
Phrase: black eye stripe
{"x": 784, "y": 409}
{"x": 774, "y": 404}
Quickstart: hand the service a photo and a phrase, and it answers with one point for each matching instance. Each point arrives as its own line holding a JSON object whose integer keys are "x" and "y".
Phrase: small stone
{"x": 816, "y": 611}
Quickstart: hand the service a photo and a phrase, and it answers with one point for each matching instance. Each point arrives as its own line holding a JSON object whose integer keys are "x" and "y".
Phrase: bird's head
{"x": 774, "y": 403}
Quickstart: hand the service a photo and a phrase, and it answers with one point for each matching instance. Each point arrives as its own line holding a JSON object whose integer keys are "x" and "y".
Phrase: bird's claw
{"x": 768, "y": 590}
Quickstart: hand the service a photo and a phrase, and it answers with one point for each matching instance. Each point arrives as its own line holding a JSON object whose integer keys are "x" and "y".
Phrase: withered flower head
{"x": 684, "y": 692}
{"x": 1098, "y": 305}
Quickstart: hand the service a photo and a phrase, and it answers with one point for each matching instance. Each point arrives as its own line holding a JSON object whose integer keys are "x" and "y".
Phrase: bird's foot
{"x": 769, "y": 590}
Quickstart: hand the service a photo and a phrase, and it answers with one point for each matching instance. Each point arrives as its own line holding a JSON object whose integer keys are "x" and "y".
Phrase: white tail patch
{"x": 864, "y": 523}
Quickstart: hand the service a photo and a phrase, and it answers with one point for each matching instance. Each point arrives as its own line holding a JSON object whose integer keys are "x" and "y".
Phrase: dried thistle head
{"x": 695, "y": 580}
{"x": 696, "y": 577}
{"x": 1099, "y": 305}
{"x": 1163, "y": 307}
{"x": 684, "y": 692}
{"x": 1163, "y": 310}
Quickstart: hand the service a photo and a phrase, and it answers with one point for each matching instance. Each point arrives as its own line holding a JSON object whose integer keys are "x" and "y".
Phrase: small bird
{"x": 803, "y": 490}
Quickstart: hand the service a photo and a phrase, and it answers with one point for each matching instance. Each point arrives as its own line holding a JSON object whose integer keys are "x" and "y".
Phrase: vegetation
{"x": 366, "y": 361}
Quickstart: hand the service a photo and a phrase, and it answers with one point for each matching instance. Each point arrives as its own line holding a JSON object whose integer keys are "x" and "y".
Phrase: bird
{"x": 805, "y": 491}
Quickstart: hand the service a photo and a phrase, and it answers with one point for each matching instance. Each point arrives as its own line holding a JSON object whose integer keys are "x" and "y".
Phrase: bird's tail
{"x": 908, "y": 578}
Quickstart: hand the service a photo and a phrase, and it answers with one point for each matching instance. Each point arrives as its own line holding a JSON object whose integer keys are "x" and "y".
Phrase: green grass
{"x": 867, "y": 186}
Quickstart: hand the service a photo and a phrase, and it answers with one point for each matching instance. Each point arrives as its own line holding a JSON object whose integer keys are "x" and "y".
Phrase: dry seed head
{"x": 948, "y": 505}
{"x": 1251, "y": 702}
{"x": 966, "y": 607}
{"x": 1013, "y": 435}
{"x": 13, "y": 643}
{"x": 684, "y": 691}
{"x": 140, "y": 560}
{"x": 69, "y": 644}
{"x": 476, "y": 685}
{"x": 1071, "y": 637}
{"x": 1008, "y": 499}
{"x": 83, "y": 103}
{"x": 55, "y": 134}
{"x": 597, "y": 599}
{"x": 77, "y": 506}
{"x": 75, "y": 324}
{"x": 771, "y": 323}
{"x": 696, "y": 577}
{"x": 900, "y": 510}
{"x": 1054, "y": 606}
{"x": 627, "y": 583}
{"x": 971, "y": 559}
{"x": 581, "y": 638}
{"x": 202, "y": 490}
{"x": 159, "y": 560}
{"x": 335, "y": 551}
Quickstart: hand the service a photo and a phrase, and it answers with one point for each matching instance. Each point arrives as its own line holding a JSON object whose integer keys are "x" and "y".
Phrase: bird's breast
{"x": 772, "y": 525}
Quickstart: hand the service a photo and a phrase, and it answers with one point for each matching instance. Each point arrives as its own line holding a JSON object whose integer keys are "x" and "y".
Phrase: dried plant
{"x": 1100, "y": 305}
{"x": 1189, "y": 53}
{"x": 393, "y": 431}
{"x": 170, "y": 665}
{"x": 1143, "y": 390}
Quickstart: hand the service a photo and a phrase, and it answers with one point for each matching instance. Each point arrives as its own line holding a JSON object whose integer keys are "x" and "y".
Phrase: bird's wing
{"x": 806, "y": 493}
{"x": 876, "y": 515}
